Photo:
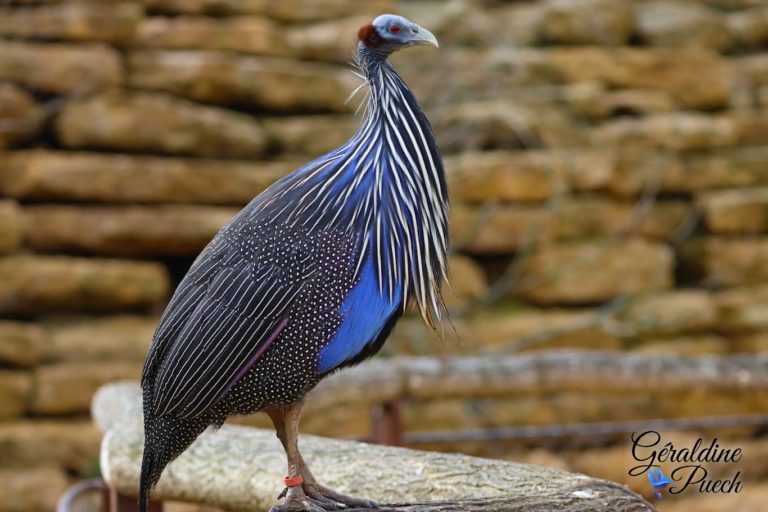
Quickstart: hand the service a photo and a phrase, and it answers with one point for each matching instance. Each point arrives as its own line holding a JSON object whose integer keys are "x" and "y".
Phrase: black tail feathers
{"x": 148, "y": 478}
{"x": 165, "y": 437}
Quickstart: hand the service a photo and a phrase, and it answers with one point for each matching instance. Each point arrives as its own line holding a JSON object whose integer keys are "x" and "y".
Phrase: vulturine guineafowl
{"x": 308, "y": 278}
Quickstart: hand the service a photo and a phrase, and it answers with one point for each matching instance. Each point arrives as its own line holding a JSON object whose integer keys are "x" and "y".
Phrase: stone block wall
{"x": 608, "y": 165}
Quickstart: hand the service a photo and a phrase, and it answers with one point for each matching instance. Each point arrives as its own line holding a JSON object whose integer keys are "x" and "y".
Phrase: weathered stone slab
{"x": 536, "y": 329}
{"x": 638, "y": 102}
{"x": 246, "y": 34}
{"x": 502, "y": 124}
{"x": 601, "y": 22}
{"x": 467, "y": 280}
{"x": 691, "y": 345}
{"x": 21, "y": 344}
{"x": 124, "y": 230}
{"x": 742, "y": 309}
{"x": 505, "y": 228}
{"x": 32, "y": 284}
{"x": 20, "y": 116}
{"x": 689, "y": 24}
{"x": 285, "y": 10}
{"x": 117, "y": 338}
{"x": 60, "y": 68}
{"x": 679, "y": 131}
{"x": 11, "y": 226}
{"x": 450, "y": 477}
{"x": 754, "y": 68}
{"x": 670, "y": 313}
{"x": 526, "y": 175}
{"x": 333, "y": 40}
{"x": 227, "y": 79}
{"x": 568, "y": 273}
{"x": 123, "y": 178}
{"x": 15, "y": 393}
{"x": 63, "y": 443}
{"x": 31, "y": 490}
{"x": 311, "y": 135}
{"x": 156, "y": 123}
{"x": 694, "y": 77}
{"x": 728, "y": 261}
{"x": 76, "y": 21}
{"x": 736, "y": 210}
{"x": 67, "y": 388}
{"x": 751, "y": 126}
{"x": 639, "y": 170}
{"x": 749, "y": 27}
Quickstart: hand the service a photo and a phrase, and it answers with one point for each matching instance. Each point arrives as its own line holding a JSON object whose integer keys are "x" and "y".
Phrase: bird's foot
{"x": 313, "y": 497}
{"x": 320, "y": 492}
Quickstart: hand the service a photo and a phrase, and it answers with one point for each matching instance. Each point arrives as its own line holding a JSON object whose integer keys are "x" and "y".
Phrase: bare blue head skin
{"x": 390, "y": 32}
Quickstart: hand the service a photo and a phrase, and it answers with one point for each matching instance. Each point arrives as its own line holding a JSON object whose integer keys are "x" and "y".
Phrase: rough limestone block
{"x": 689, "y": 24}
{"x": 743, "y": 309}
{"x": 235, "y": 467}
{"x": 696, "y": 78}
{"x": 20, "y": 116}
{"x": 692, "y": 345}
{"x": 11, "y": 226}
{"x": 503, "y": 124}
{"x": 642, "y": 169}
{"x": 678, "y": 130}
{"x": 749, "y": 27}
{"x": 526, "y": 175}
{"x": 727, "y": 261}
{"x": 32, "y": 284}
{"x": 228, "y": 79}
{"x": 116, "y": 338}
{"x": 67, "y": 388}
{"x": 735, "y": 211}
{"x": 310, "y": 135}
{"x": 60, "y": 68}
{"x": 78, "y": 21}
{"x": 601, "y": 22}
{"x": 21, "y": 343}
{"x": 121, "y": 178}
{"x": 668, "y": 313}
{"x": 15, "y": 390}
{"x": 467, "y": 280}
{"x": 324, "y": 40}
{"x": 124, "y": 230}
{"x": 31, "y": 490}
{"x": 505, "y": 228}
{"x": 246, "y": 34}
{"x": 70, "y": 444}
{"x": 156, "y": 123}
{"x": 293, "y": 11}
{"x": 565, "y": 273}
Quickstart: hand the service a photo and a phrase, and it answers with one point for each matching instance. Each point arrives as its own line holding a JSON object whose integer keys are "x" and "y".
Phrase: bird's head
{"x": 389, "y": 33}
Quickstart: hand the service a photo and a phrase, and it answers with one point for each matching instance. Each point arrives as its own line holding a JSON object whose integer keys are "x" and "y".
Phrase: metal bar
{"x": 122, "y": 503}
{"x": 584, "y": 429}
{"x": 67, "y": 501}
{"x": 387, "y": 427}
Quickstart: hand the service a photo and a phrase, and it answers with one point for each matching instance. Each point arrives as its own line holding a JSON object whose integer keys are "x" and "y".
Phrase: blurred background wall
{"x": 608, "y": 165}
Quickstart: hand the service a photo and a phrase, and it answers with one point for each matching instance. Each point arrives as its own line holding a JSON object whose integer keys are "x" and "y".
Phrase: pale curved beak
{"x": 424, "y": 36}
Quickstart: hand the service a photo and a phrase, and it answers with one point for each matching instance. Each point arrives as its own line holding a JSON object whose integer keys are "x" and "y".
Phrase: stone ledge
{"x": 37, "y": 284}
{"x": 237, "y": 468}
{"x": 158, "y": 123}
{"x": 122, "y": 178}
{"x": 60, "y": 68}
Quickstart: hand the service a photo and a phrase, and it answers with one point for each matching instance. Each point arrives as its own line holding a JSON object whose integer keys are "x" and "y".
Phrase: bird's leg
{"x": 310, "y": 495}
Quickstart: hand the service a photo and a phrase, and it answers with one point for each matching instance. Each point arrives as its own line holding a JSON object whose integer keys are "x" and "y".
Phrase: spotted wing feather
{"x": 223, "y": 316}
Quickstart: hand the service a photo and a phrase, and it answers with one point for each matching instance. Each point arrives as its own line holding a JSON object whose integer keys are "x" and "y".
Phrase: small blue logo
{"x": 658, "y": 481}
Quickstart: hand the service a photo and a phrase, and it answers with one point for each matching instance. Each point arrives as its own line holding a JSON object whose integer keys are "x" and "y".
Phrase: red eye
{"x": 394, "y": 29}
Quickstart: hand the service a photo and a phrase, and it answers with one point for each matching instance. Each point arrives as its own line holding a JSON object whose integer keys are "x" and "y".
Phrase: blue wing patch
{"x": 365, "y": 312}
